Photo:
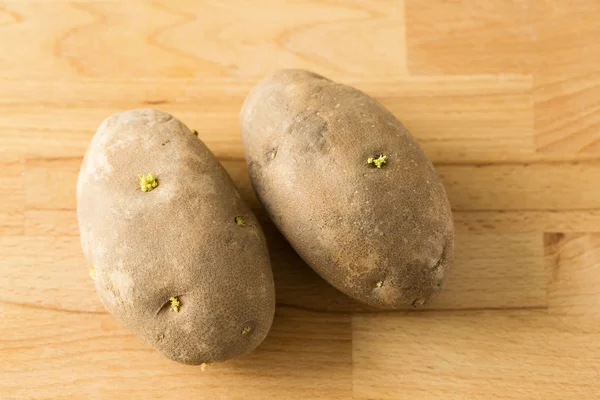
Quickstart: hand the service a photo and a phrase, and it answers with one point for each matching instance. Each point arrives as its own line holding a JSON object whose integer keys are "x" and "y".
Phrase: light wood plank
{"x": 488, "y": 119}
{"x": 58, "y": 223}
{"x": 462, "y": 37}
{"x": 567, "y": 87}
{"x": 566, "y": 50}
{"x": 559, "y": 108}
{"x": 12, "y": 194}
{"x": 48, "y": 272}
{"x": 518, "y": 187}
{"x": 573, "y": 262}
{"x": 527, "y": 221}
{"x": 94, "y": 38}
{"x": 50, "y": 183}
{"x": 46, "y": 360}
{"x": 478, "y": 355}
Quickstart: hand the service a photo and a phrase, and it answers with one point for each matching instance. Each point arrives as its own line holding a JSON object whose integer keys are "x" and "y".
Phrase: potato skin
{"x": 383, "y": 236}
{"x": 178, "y": 240}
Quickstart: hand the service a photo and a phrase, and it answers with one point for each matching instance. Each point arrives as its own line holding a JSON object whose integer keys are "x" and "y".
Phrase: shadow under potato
{"x": 296, "y": 284}
{"x": 315, "y": 346}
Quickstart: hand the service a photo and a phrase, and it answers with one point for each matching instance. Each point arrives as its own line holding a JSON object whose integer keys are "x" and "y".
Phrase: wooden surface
{"x": 504, "y": 96}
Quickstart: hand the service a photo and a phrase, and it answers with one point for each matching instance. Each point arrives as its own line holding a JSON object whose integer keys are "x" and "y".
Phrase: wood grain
{"x": 81, "y": 355}
{"x": 574, "y": 274}
{"x": 502, "y": 96}
{"x": 12, "y": 195}
{"x": 479, "y": 355}
{"x": 497, "y": 35}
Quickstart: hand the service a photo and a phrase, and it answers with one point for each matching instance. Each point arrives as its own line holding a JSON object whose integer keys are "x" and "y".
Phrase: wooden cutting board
{"x": 504, "y": 96}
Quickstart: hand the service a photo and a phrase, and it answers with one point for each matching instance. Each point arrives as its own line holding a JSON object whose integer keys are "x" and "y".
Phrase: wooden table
{"x": 504, "y": 96}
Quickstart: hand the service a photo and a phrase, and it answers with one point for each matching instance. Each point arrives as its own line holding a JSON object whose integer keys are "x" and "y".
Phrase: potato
{"x": 178, "y": 257}
{"x": 349, "y": 188}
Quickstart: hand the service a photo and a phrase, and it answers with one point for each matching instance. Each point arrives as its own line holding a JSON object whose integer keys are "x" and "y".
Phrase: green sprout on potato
{"x": 147, "y": 182}
{"x": 175, "y": 304}
{"x": 379, "y": 284}
{"x": 240, "y": 221}
{"x": 377, "y": 161}
{"x": 205, "y": 365}
{"x": 246, "y": 330}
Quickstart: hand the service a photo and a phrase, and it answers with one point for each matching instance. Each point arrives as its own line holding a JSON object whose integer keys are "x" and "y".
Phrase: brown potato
{"x": 349, "y": 187}
{"x": 178, "y": 257}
